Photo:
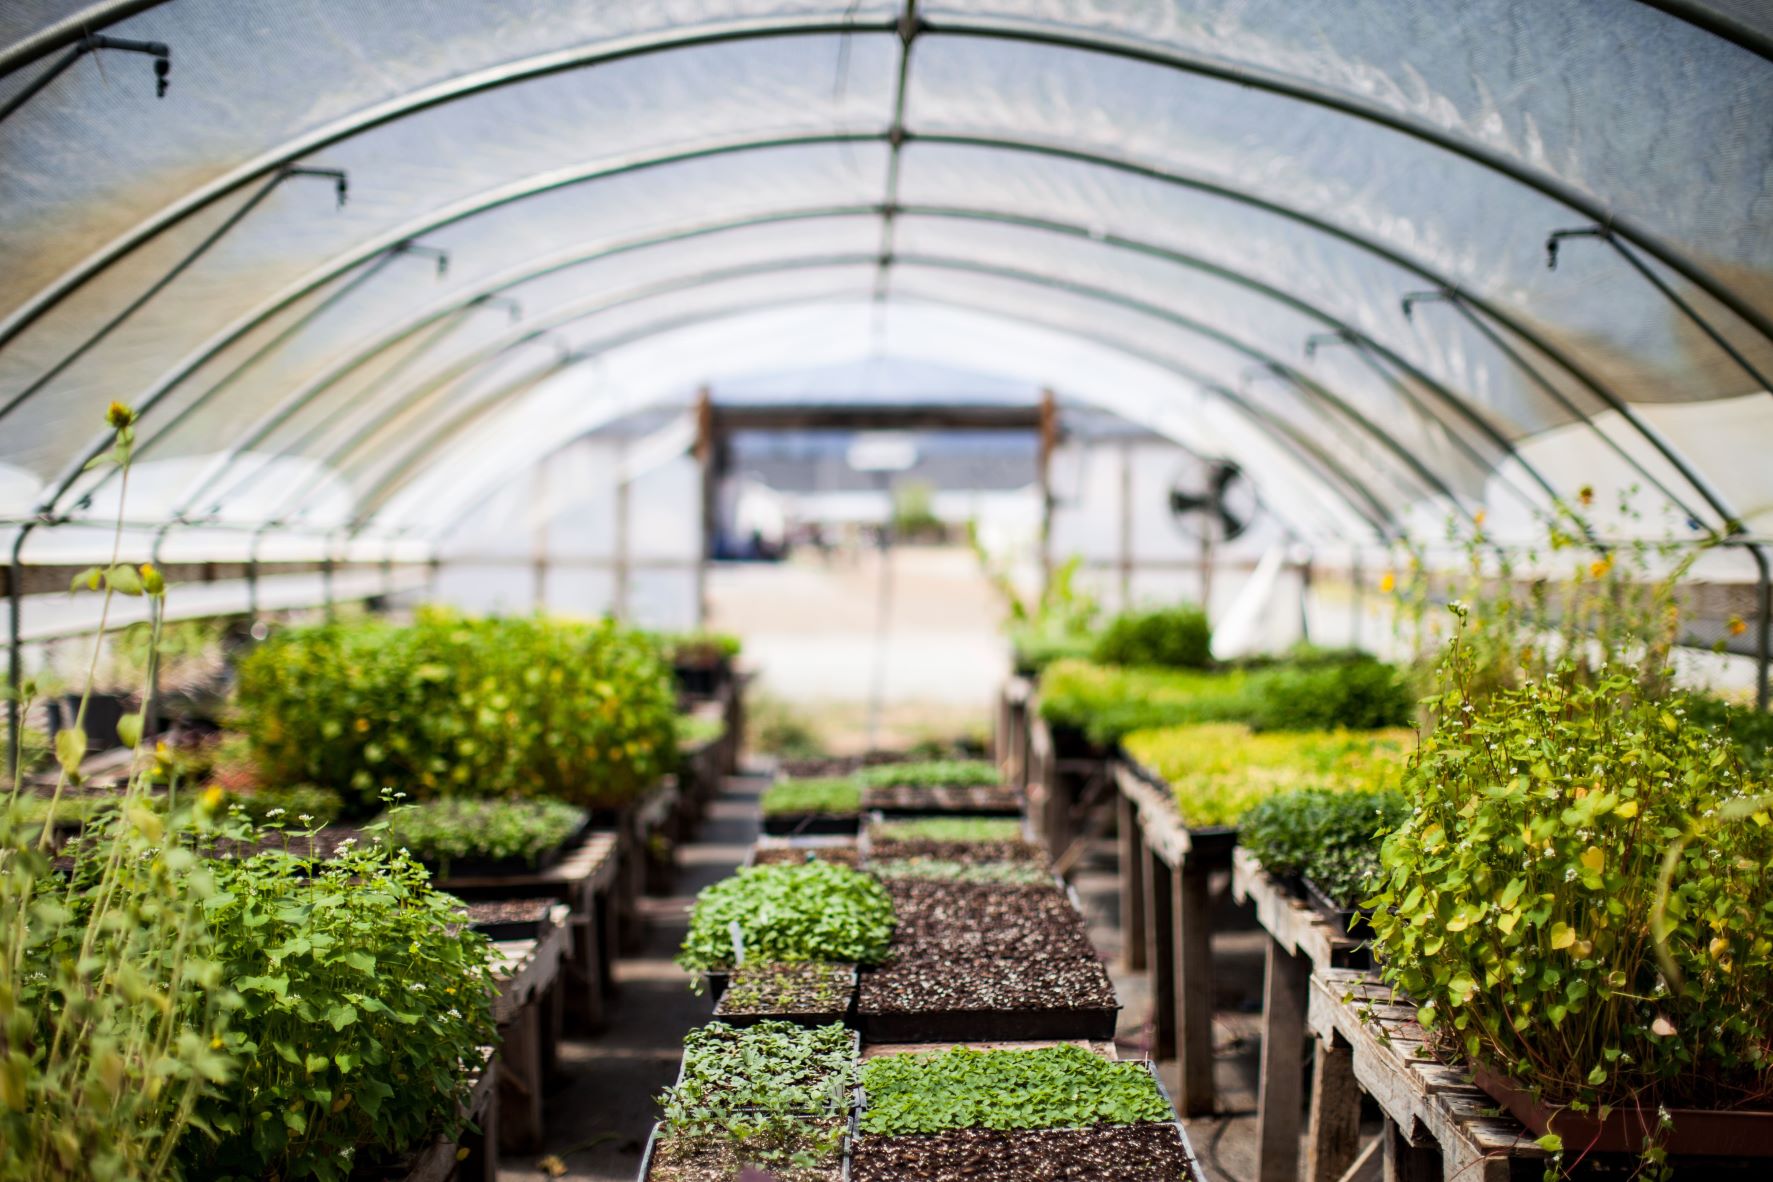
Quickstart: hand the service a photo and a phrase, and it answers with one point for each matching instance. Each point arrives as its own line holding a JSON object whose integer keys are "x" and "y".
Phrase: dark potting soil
{"x": 788, "y": 989}
{"x": 836, "y": 765}
{"x": 509, "y": 911}
{"x": 965, "y": 920}
{"x": 843, "y": 855}
{"x": 1121, "y": 1153}
{"x": 941, "y": 984}
{"x": 956, "y": 851}
{"x": 675, "y": 1160}
{"x": 971, "y": 799}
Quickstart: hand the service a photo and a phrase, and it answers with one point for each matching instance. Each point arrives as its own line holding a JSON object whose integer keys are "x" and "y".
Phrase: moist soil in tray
{"x": 806, "y": 994}
{"x": 956, "y": 851}
{"x": 668, "y": 1161}
{"x": 509, "y": 919}
{"x": 1121, "y": 1153}
{"x": 812, "y": 824}
{"x": 914, "y": 800}
{"x": 955, "y": 921}
{"x": 776, "y": 855}
{"x": 941, "y": 1000}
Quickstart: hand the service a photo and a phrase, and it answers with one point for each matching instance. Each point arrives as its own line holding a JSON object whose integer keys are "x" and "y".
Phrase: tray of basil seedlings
{"x": 786, "y": 914}
{"x": 811, "y": 807}
{"x": 456, "y": 838}
{"x": 1045, "y": 1114}
{"x": 774, "y": 1095}
{"x": 810, "y": 994}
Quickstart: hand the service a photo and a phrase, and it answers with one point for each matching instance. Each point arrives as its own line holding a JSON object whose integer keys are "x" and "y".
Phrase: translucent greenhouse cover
{"x": 362, "y": 263}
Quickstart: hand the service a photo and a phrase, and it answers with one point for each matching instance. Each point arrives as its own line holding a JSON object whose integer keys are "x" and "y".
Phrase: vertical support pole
{"x": 707, "y": 450}
{"x": 1305, "y": 600}
{"x": 1357, "y": 606}
{"x": 1287, "y": 978}
{"x": 1206, "y": 572}
{"x": 538, "y": 499}
{"x": 326, "y": 603}
{"x": 1405, "y": 1162}
{"x": 623, "y": 487}
{"x": 1191, "y": 912}
{"x": 1057, "y": 785}
{"x": 1160, "y": 953}
{"x": 1763, "y": 624}
{"x": 1132, "y": 883}
{"x": 1126, "y": 525}
{"x": 520, "y": 1080}
{"x": 1049, "y": 440}
{"x": 1333, "y": 1133}
{"x": 15, "y": 650}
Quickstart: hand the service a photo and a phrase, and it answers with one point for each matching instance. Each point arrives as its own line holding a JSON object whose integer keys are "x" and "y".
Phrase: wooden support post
{"x": 1333, "y": 1134}
{"x": 1058, "y": 808}
{"x": 611, "y": 941}
{"x": 482, "y": 1162}
{"x": 1049, "y": 440}
{"x": 1285, "y": 997}
{"x": 553, "y": 1006}
{"x": 1405, "y": 1162}
{"x": 1160, "y": 955}
{"x": 1191, "y": 913}
{"x": 1132, "y": 883}
{"x": 520, "y": 1080}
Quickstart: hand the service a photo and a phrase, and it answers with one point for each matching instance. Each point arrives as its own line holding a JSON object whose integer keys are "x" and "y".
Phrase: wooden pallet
{"x": 1439, "y": 1125}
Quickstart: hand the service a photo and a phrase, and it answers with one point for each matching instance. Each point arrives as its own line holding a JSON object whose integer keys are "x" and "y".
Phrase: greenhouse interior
{"x": 582, "y": 579}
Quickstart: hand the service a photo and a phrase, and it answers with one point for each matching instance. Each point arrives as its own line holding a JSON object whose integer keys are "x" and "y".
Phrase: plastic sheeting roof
{"x": 1312, "y": 238}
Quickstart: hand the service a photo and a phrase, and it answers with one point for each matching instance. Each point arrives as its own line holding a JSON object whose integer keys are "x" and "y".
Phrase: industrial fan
{"x": 1218, "y": 511}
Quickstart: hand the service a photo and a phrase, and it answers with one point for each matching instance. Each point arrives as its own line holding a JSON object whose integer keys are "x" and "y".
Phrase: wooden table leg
{"x": 520, "y": 1081}
{"x": 482, "y": 1162}
{"x": 1160, "y": 955}
{"x": 1191, "y": 915}
{"x": 1333, "y": 1134}
{"x": 1132, "y": 884}
{"x": 1283, "y": 1065}
{"x": 1405, "y": 1162}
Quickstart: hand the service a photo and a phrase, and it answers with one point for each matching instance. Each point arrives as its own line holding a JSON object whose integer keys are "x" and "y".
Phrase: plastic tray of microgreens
{"x": 1190, "y": 1162}
{"x": 855, "y": 1055}
{"x": 838, "y": 981}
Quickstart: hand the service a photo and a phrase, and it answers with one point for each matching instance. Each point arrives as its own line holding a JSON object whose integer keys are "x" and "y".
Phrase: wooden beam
{"x": 1286, "y": 994}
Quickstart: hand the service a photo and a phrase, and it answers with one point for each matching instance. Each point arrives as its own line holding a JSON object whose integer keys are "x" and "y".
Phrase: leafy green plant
{"x": 112, "y": 1004}
{"x": 303, "y": 805}
{"x": 935, "y": 773}
{"x": 1218, "y": 771}
{"x": 696, "y": 730}
{"x": 789, "y": 912}
{"x": 1107, "y": 702}
{"x": 363, "y": 1008}
{"x": 948, "y": 870}
{"x": 810, "y": 988}
{"x": 829, "y": 796}
{"x": 1330, "y": 837}
{"x": 442, "y": 831}
{"x": 1551, "y": 824}
{"x": 1358, "y": 693}
{"x": 449, "y": 705}
{"x": 1060, "y": 623}
{"x": 960, "y": 829}
{"x": 699, "y": 648}
{"x": 773, "y": 1093}
{"x": 1171, "y": 637}
{"x": 1052, "y": 1087}
{"x": 1749, "y": 729}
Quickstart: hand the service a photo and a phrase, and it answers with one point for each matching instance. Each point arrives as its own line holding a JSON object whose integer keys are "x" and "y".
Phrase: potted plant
{"x": 826, "y": 806}
{"x": 1051, "y": 1112}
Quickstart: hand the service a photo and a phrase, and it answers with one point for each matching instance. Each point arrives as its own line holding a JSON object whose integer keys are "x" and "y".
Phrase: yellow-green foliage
{"x": 1219, "y": 770}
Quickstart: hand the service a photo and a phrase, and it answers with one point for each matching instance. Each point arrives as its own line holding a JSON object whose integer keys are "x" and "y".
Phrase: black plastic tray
{"x": 812, "y": 824}
{"x": 847, "y": 1015}
{"x": 990, "y": 1025}
{"x": 646, "y": 1159}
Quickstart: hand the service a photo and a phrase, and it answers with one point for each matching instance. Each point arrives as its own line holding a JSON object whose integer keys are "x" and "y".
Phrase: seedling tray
{"x": 990, "y": 1026}
{"x": 495, "y": 867}
{"x": 855, "y": 1053}
{"x": 1347, "y": 921}
{"x": 812, "y": 824}
{"x": 846, "y": 1015}
{"x": 515, "y": 929}
{"x": 652, "y": 1143}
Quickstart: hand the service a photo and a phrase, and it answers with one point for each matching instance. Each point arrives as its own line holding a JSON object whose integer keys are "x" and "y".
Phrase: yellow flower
{"x": 212, "y": 797}
{"x": 1388, "y": 582}
{"x": 1478, "y": 518}
{"x": 119, "y": 415}
{"x": 215, "y": 1043}
{"x": 1600, "y": 567}
{"x": 1737, "y": 625}
{"x": 153, "y": 582}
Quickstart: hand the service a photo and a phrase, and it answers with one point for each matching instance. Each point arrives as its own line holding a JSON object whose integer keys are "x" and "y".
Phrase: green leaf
{"x": 129, "y": 729}
{"x": 1551, "y": 1143}
{"x": 70, "y": 747}
{"x": 341, "y": 1016}
{"x": 124, "y": 579}
{"x": 90, "y": 577}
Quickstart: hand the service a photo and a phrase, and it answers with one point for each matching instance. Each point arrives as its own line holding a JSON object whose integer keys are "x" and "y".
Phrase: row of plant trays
{"x": 902, "y": 800}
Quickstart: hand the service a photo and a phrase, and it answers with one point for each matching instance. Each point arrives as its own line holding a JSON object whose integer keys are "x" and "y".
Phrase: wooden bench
{"x": 1438, "y": 1125}
{"x": 528, "y": 1010}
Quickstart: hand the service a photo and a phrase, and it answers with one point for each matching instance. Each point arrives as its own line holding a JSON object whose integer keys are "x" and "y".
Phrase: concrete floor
{"x": 600, "y": 1112}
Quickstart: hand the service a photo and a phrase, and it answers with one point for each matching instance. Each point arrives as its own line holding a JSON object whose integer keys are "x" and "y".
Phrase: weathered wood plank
{"x": 1161, "y": 955}
{"x": 1132, "y": 885}
{"x": 1333, "y": 1135}
{"x": 1191, "y": 911}
{"x": 1280, "y": 1090}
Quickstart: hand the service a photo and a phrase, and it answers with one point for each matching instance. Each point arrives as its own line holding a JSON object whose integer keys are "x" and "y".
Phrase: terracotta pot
{"x": 1697, "y": 1132}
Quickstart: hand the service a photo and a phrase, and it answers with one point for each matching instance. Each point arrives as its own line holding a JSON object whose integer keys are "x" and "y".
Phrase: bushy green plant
{"x": 935, "y": 773}
{"x": 1358, "y": 693}
{"x": 450, "y": 705}
{"x": 1750, "y": 729}
{"x": 789, "y": 912}
{"x": 1555, "y": 827}
{"x": 112, "y": 1003}
{"x": 697, "y": 730}
{"x": 960, "y": 829}
{"x": 1218, "y": 771}
{"x": 1037, "y": 646}
{"x": 1330, "y": 837}
{"x": 442, "y": 831}
{"x": 1057, "y": 1087}
{"x": 1107, "y": 702}
{"x": 1171, "y": 637}
{"x": 700, "y": 648}
{"x": 831, "y": 796}
{"x": 363, "y": 1008}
